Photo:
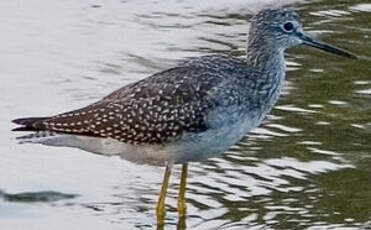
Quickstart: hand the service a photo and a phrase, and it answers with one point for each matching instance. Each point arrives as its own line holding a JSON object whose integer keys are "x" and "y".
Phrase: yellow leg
{"x": 160, "y": 209}
{"x": 182, "y": 209}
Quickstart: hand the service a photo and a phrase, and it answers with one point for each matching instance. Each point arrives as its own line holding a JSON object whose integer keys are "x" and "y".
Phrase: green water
{"x": 307, "y": 167}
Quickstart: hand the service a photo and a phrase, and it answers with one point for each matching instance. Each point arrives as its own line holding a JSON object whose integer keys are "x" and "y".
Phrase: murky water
{"x": 307, "y": 167}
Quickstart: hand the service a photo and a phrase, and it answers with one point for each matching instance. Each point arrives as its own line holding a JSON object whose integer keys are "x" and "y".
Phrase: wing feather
{"x": 154, "y": 110}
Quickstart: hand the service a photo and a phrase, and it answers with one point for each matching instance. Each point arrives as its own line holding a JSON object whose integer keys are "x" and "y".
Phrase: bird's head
{"x": 281, "y": 29}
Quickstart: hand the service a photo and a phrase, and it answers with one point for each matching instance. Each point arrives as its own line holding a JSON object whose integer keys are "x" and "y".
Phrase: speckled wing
{"x": 154, "y": 110}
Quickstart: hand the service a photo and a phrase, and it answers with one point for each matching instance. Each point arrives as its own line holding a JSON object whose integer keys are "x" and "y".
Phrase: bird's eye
{"x": 288, "y": 27}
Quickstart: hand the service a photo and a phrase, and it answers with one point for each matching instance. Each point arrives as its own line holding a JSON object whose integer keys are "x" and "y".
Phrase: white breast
{"x": 228, "y": 128}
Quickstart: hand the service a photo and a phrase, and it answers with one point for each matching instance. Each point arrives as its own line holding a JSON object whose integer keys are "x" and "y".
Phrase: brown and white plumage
{"x": 151, "y": 111}
{"x": 174, "y": 115}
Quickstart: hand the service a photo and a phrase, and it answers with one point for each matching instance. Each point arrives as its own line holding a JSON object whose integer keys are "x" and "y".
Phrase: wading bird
{"x": 191, "y": 112}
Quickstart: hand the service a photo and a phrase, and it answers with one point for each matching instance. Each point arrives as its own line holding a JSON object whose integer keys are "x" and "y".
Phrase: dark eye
{"x": 288, "y": 27}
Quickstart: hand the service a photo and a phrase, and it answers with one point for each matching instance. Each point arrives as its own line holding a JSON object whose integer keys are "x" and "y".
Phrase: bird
{"x": 187, "y": 113}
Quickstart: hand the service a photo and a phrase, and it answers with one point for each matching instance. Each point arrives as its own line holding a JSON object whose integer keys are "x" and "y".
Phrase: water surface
{"x": 307, "y": 167}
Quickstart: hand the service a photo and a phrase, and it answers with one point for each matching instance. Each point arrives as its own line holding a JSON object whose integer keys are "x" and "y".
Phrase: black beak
{"x": 324, "y": 46}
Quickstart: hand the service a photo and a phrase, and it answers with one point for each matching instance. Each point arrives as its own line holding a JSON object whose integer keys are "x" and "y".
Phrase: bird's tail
{"x": 30, "y": 123}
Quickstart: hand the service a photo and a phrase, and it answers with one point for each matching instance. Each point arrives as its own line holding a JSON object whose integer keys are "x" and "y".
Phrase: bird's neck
{"x": 265, "y": 57}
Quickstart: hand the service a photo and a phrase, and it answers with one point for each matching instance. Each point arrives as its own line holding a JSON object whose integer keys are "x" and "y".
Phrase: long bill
{"x": 325, "y": 46}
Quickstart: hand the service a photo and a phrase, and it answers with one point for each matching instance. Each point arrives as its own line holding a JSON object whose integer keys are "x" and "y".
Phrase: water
{"x": 307, "y": 167}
